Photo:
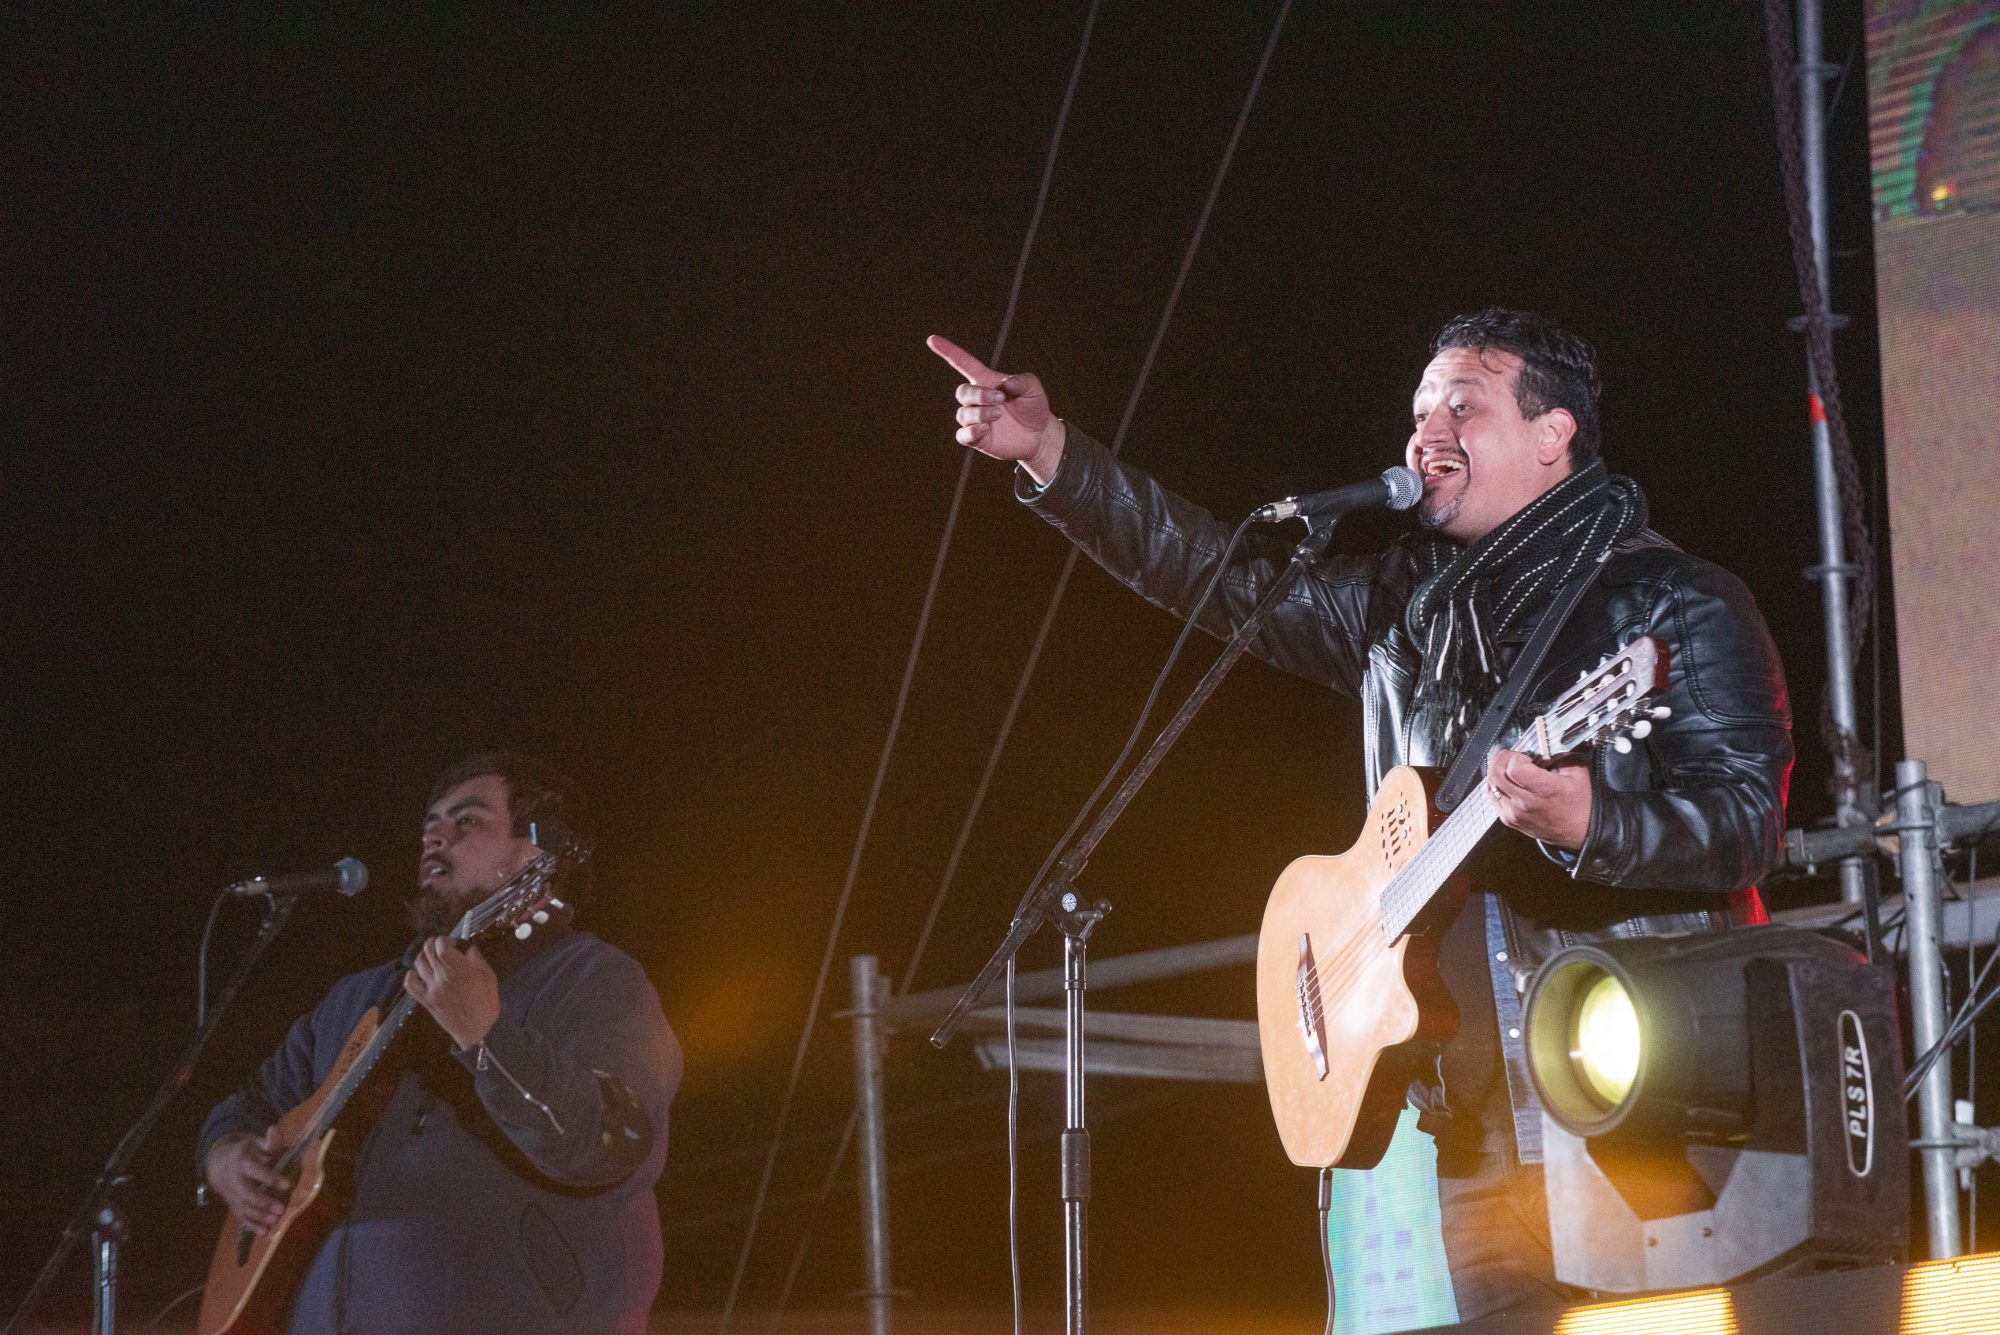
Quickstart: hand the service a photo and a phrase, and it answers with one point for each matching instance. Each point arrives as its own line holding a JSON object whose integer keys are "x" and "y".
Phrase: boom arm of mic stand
{"x": 113, "y": 1174}
{"x": 1043, "y": 900}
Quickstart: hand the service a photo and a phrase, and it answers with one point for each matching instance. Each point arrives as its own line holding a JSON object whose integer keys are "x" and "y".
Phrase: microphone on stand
{"x": 1398, "y": 488}
{"x": 349, "y": 876}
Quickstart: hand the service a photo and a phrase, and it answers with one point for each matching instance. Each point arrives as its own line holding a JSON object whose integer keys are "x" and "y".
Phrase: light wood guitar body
{"x": 251, "y": 1279}
{"x": 1349, "y": 997}
{"x": 1345, "y": 1015}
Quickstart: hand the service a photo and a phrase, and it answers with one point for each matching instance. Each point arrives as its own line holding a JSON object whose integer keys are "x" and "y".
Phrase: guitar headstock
{"x": 1608, "y": 703}
{"x": 528, "y": 900}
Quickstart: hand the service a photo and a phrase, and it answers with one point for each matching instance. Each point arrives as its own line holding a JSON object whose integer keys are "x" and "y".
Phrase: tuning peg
{"x": 559, "y": 906}
{"x": 1642, "y": 727}
{"x": 1661, "y": 711}
{"x": 1622, "y": 744}
{"x": 542, "y": 915}
{"x": 523, "y": 932}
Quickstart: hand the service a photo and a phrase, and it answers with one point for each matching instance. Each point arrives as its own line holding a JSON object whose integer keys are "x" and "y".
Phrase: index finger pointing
{"x": 975, "y": 371}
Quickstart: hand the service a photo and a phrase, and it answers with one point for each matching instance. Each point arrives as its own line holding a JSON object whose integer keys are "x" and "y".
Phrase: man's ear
{"x": 1554, "y": 430}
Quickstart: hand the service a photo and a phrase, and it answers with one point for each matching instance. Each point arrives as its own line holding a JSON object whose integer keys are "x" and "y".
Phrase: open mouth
{"x": 433, "y": 868}
{"x": 1442, "y": 467}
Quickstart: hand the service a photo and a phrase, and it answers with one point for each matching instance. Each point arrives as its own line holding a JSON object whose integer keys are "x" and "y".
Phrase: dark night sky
{"x": 387, "y": 384}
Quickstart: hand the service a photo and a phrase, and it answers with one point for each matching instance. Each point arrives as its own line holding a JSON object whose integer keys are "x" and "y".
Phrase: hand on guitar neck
{"x": 458, "y": 987}
{"x": 1350, "y": 999}
{"x": 240, "y": 1169}
{"x": 1549, "y": 801}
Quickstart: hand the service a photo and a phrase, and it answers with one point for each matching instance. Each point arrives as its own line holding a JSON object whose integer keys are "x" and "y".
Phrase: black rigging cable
{"x": 1062, "y": 581}
{"x": 1847, "y": 752}
{"x": 1117, "y": 446}
{"x": 902, "y": 701}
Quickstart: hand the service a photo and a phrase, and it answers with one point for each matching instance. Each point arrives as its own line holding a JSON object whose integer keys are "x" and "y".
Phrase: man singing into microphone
{"x": 1516, "y": 503}
{"x": 508, "y": 1185}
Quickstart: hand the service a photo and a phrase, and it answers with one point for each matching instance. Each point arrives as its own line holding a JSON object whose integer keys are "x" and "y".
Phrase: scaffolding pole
{"x": 869, "y": 988}
{"x": 1834, "y": 572}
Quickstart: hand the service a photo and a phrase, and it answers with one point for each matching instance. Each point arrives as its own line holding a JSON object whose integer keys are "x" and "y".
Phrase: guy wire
{"x": 896, "y": 715}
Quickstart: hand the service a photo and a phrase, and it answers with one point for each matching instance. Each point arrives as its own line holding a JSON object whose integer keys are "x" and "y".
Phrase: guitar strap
{"x": 1470, "y": 765}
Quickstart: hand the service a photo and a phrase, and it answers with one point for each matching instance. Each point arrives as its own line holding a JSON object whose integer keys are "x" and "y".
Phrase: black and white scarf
{"x": 1471, "y": 597}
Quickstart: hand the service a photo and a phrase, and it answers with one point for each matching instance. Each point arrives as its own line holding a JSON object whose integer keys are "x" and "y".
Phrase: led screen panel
{"x": 1934, "y": 131}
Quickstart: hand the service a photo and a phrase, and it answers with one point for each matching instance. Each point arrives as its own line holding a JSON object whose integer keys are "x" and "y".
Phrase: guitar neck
{"x": 351, "y": 1080}
{"x": 1418, "y": 881}
{"x": 513, "y": 903}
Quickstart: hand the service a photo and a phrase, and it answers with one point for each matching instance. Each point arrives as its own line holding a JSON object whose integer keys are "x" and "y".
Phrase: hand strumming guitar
{"x": 239, "y": 1169}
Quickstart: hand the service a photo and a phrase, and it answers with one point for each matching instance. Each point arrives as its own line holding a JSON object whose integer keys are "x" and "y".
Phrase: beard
{"x": 1443, "y": 505}
{"x": 433, "y": 910}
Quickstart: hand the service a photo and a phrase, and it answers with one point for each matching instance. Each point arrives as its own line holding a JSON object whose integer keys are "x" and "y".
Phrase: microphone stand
{"x": 1056, "y": 900}
{"x": 100, "y": 1215}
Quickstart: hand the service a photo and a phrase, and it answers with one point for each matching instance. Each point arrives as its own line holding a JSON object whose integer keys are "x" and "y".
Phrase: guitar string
{"x": 1602, "y": 708}
{"x": 1596, "y": 707}
{"x": 1406, "y": 895}
{"x": 1417, "y": 880}
{"x": 1399, "y": 892}
{"x": 524, "y": 887}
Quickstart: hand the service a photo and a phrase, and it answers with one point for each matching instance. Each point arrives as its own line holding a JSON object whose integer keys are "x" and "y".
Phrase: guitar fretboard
{"x": 477, "y": 920}
{"x": 337, "y": 1098}
{"x": 1421, "y": 877}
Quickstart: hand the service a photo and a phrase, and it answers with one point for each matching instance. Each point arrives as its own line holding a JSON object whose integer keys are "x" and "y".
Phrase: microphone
{"x": 349, "y": 876}
{"x": 1397, "y": 489}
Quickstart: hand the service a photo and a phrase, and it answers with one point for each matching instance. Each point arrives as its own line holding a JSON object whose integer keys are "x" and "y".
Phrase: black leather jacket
{"x": 1681, "y": 826}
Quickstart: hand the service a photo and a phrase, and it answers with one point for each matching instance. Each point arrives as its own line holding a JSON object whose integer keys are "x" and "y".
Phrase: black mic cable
{"x": 1325, "y": 1242}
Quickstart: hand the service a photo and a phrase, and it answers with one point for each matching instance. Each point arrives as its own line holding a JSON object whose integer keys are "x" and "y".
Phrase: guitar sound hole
{"x": 1396, "y": 837}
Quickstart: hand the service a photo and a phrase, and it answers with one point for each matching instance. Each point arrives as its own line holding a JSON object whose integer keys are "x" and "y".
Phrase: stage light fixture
{"x": 1604, "y": 1041}
{"x": 1717, "y": 1105}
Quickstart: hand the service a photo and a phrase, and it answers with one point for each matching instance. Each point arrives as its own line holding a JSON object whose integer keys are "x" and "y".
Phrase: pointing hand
{"x": 1006, "y": 416}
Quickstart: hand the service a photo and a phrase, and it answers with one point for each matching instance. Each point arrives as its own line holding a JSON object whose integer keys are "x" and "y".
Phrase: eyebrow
{"x": 464, "y": 804}
{"x": 1466, "y": 381}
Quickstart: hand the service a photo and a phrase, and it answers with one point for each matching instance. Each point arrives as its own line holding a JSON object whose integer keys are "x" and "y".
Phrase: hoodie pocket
{"x": 549, "y": 1259}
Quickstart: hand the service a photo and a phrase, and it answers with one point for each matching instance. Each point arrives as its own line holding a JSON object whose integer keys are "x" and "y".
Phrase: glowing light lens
{"x": 1947, "y": 1297}
{"x": 1604, "y": 1044}
{"x": 1708, "y": 1312}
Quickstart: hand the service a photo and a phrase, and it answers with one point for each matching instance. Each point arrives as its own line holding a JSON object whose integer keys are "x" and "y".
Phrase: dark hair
{"x": 537, "y": 793}
{"x": 1558, "y": 369}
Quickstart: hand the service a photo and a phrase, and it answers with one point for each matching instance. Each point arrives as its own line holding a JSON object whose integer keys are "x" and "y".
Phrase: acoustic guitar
{"x": 252, "y": 1278}
{"x": 1349, "y": 997}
